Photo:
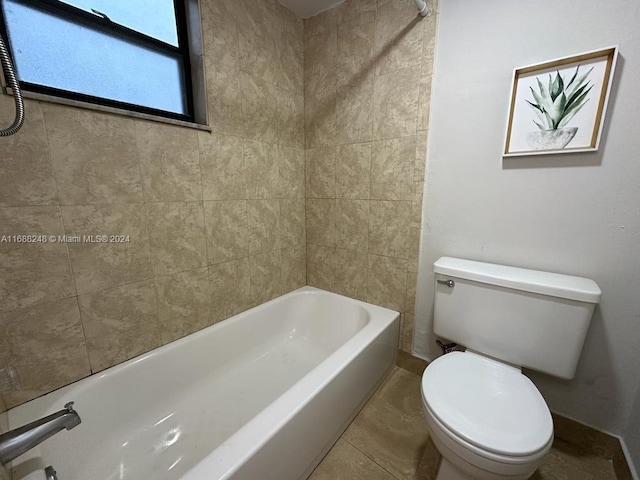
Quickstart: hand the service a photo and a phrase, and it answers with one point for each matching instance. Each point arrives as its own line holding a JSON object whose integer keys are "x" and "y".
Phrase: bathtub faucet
{"x": 16, "y": 442}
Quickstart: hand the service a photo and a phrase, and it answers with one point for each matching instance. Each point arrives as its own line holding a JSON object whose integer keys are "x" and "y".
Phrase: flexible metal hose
{"x": 12, "y": 81}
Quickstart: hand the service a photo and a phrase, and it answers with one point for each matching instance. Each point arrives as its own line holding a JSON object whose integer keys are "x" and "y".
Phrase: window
{"x": 128, "y": 54}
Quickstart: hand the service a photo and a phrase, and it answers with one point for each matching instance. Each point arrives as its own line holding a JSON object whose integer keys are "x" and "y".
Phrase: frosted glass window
{"x": 62, "y": 53}
{"x": 155, "y": 18}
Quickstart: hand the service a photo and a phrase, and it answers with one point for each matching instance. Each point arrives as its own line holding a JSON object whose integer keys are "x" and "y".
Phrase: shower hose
{"x": 12, "y": 83}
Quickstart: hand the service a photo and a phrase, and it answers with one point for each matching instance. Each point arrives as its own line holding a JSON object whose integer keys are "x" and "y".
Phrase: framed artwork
{"x": 559, "y": 106}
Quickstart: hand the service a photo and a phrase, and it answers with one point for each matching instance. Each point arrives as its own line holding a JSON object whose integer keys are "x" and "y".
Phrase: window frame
{"x": 188, "y": 35}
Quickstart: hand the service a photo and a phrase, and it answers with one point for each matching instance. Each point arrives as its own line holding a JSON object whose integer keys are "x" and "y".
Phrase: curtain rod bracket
{"x": 422, "y": 7}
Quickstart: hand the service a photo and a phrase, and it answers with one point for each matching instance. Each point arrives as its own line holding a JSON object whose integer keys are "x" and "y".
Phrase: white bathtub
{"x": 262, "y": 395}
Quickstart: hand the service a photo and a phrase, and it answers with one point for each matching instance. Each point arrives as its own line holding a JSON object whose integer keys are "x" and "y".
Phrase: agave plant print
{"x": 555, "y": 105}
{"x": 559, "y": 106}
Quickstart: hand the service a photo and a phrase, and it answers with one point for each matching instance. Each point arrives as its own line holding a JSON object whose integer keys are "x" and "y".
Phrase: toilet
{"x": 487, "y": 419}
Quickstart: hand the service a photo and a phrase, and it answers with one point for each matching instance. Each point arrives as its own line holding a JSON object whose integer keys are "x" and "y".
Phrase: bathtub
{"x": 262, "y": 395}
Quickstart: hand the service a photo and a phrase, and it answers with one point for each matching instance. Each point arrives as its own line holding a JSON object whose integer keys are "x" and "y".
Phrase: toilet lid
{"x": 487, "y": 403}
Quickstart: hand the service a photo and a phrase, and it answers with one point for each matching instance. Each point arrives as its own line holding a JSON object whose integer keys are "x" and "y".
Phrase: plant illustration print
{"x": 558, "y": 106}
{"x": 555, "y": 105}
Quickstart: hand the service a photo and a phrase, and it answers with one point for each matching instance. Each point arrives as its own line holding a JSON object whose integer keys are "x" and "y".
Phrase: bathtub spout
{"x": 16, "y": 442}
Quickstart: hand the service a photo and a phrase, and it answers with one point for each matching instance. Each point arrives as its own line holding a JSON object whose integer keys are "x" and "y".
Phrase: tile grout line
{"x": 148, "y": 231}
{"x": 371, "y": 458}
{"x": 378, "y": 396}
{"x": 69, "y": 263}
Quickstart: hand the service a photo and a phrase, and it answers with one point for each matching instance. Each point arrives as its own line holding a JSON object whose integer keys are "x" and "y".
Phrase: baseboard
{"x": 411, "y": 363}
{"x": 596, "y": 442}
{"x": 626, "y": 459}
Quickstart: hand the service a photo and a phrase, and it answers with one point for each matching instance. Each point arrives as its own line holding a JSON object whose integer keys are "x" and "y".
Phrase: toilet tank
{"x": 528, "y": 318}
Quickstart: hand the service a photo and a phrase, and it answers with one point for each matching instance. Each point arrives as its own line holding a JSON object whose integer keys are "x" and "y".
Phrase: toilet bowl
{"x": 485, "y": 417}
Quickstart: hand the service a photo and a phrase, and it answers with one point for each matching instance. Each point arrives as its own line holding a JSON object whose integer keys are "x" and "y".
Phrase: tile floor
{"x": 388, "y": 440}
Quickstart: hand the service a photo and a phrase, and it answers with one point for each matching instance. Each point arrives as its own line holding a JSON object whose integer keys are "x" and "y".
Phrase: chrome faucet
{"x": 16, "y": 442}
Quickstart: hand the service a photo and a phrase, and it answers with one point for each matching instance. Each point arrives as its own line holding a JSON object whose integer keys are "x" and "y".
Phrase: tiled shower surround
{"x": 368, "y": 69}
{"x": 330, "y": 112}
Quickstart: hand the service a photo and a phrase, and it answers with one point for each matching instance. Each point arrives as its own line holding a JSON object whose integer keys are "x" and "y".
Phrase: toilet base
{"x": 450, "y": 471}
{"x": 447, "y": 471}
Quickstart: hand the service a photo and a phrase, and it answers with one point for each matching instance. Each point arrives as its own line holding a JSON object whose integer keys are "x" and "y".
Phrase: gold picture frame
{"x": 559, "y": 106}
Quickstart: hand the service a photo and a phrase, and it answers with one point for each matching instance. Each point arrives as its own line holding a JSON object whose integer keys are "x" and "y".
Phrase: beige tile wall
{"x": 216, "y": 220}
{"x": 368, "y": 69}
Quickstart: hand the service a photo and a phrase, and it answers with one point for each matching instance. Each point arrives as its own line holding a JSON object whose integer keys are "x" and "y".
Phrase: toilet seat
{"x": 477, "y": 463}
{"x": 488, "y": 405}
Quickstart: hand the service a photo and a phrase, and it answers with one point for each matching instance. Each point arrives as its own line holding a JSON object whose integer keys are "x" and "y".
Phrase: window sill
{"x": 102, "y": 108}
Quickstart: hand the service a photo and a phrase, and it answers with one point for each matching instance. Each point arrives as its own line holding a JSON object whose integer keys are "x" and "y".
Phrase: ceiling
{"x": 309, "y": 8}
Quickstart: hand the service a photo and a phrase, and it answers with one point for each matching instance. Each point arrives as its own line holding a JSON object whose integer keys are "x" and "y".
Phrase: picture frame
{"x": 559, "y": 106}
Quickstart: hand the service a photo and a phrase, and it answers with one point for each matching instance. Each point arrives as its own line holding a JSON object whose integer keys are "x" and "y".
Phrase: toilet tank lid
{"x": 534, "y": 281}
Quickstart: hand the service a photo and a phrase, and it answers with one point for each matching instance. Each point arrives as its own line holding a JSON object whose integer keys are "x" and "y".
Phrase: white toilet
{"x": 486, "y": 418}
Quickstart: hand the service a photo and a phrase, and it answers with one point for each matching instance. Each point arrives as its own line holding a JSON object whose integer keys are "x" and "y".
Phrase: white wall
{"x": 574, "y": 213}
